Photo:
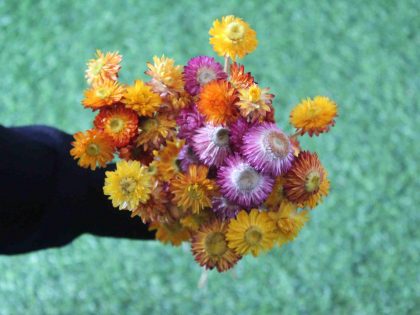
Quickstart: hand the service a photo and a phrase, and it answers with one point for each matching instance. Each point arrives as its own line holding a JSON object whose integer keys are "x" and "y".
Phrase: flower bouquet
{"x": 201, "y": 158}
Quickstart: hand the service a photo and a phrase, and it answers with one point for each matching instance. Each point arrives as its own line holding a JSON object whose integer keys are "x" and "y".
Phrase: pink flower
{"x": 267, "y": 149}
{"x": 211, "y": 144}
{"x": 240, "y": 183}
{"x": 200, "y": 71}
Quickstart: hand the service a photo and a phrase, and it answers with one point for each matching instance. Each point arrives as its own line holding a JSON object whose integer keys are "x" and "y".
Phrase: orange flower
{"x": 217, "y": 102}
{"x": 306, "y": 182}
{"x": 210, "y": 247}
{"x": 238, "y": 77}
{"x": 193, "y": 191}
{"x": 314, "y": 116}
{"x": 119, "y": 123}
{"x": 92, "y": 148}
{"x": 103, "y": 94}
{"x": 104, "y": 67}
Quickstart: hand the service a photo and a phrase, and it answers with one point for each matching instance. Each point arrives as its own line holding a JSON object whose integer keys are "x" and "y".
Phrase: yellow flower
{"x": 288, "y": 221}
{"x": 166, "y": 159}
{"x": 92, "y": 148}
{"x": 142, "y": 99}
{"x": 104, "y": 67}
{"x": 232, "y": 37}
{"x": 314, "y": 116}
{"x": 254, "y": 102}
{"x": 251, "y": 232}
{"x": 166, "y": 77}
{"x": 153, "y": 131}
{"x": 105, "y": 93}
{"x": 210, "y": 248}
{"x": 194, "y": 190}
{"x": 171, "y": 232}
{"x": 129, "y": 185}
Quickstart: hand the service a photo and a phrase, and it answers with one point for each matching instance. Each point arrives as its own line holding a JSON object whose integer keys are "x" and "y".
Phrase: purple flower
{"x": 189, "y": 120}
{"x": 211, "y": 144}
{"x": 237, "y": 131}
{"x": 201, "y": 70}
{"x": 187, "y": 157}
{"x": 241, "y": 183}
{"x": 268, "y": 149}
{"x": 224, "y": 208}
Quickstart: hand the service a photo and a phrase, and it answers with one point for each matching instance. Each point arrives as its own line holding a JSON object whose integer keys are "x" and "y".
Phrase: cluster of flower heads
{"x": 201, "y": 158}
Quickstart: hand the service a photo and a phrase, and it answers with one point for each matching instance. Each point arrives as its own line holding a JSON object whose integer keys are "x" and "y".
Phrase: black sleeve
{"x": 47, "y": 200}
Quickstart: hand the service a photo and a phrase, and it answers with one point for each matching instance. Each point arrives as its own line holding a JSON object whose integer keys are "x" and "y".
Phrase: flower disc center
{"x": 128, "y": 185}
{"x": 205, "y": 75}
{"x": 254, "y": 94}
{"x": 313, "y": 181}
{"x": 278, "y": 143}
{"x": 253, "y": 236}
{"x": 215, "y": 244}
{"x": 103, "y": 92}
{"x": 194, "y": 192}
{"x": 149, "y": 124}
{"x": 235, "y": 31}
{"x": 92, "y": 149}
{"x": 116, "y": 125}
{"x": 221, "y": 137}
{"x": 248, "y": 179}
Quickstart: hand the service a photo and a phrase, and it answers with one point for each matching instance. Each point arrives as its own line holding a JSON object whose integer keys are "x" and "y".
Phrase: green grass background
{"x": 360, "y": 252}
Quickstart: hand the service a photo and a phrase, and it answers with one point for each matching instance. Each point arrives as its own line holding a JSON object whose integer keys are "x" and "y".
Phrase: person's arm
{"x": 47, "y": 200}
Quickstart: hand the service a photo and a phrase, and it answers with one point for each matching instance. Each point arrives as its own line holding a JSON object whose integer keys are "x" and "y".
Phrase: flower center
{"x": 97, "y": 67}
{"x": 149, "y": 124}
{"x": 286, "y": 225}
{"x": 116, "y": 125}
{"x": 128, "y": 185}
{"x": 92, "y": 149}
{"x": 254, "y": 94}
{"x": 221, "y": 137}
{"x": 278, "y": 144}
{"x": 247, "y": 179}
{"x": 194, "y": 192}
{"x": 103, "y": 92}
{"x": 205, "y": 75}
{"x": 313, "y": 181}
{"x": 215, "y": 244}
{"x": 253, "y": 236}
{"x": 235, "y": 31}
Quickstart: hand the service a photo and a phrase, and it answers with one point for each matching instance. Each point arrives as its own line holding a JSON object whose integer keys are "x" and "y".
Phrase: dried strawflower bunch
{"x": 201, "y": 157}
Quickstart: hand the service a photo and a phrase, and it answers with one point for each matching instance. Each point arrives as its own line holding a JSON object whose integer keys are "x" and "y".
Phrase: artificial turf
{"x": 359, "y": 254}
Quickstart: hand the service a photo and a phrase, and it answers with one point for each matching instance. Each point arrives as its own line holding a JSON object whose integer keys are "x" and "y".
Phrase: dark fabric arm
{"x": 47, "y": 200}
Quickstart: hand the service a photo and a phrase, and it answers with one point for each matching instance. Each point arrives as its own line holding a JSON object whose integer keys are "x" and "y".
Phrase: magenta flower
{"x": 211, "y": 144}
{"x": 224, "y": 208}
{"x": 237, "y": 131}
{"x": 267, "y": 149}
{"x": 187, "y": 157}
{"x": 201, "y": 70}
{"x": 241, "y": 183}
{"x": 189, "y": 120}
